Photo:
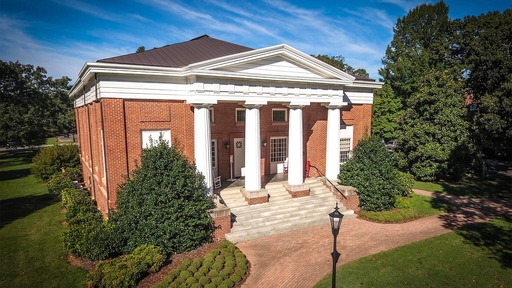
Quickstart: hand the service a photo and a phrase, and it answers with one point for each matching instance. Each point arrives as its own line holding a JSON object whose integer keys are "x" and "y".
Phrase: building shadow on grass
{"x": 14, "y": 174}
{"x": 492, "y": 236}
{"x": 16, "y": 208}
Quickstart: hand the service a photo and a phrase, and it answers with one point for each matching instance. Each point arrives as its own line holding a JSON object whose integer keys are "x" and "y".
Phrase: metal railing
{"x": 323, "y": 175}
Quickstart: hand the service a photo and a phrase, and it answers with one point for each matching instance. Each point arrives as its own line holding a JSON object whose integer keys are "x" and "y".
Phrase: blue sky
{"x": 61, "y": 35}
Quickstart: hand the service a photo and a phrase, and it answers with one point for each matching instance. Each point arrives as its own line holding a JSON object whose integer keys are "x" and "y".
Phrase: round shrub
{"x": 224, "y": 244}
{"x": 215, "y": 252}
{"x": 230, "y": 258}
{"x": 196, "y": 285}
{"x": 235, "y": 278}
{"x": 242, "y": 266}
{"x": 209, "y": 286}
{"x": 223, "y": 286}
{"x": 198, "y": 275}
{"x": 240, "y": 272}
{"x": 220, "y": 258}
{"x": 191, "y": 280}
{"x": 197, "y": 262}
{"x": 185, "y": 264}
{"x": 217, "y": 266}
{"x": 224, "y": 274}
{"x": 229, "y": 283}
{"x": 372, "y": 173}
{"x": 185, "y": 274}
{"x": 192, "y": 269}
{"x": 204, "y": 280}
{"x": 217, "y": 281}
{"x": 230, "y": 264}
{"x": 58, "y": 182}
{"x": 203, "y": 270}
{"x": 51, "y": 160}
{"x": 213, "y": 273}
{"x": 72, "y": 195}
{"x": 164, "y": 203}
{"x": 228, "y": 270}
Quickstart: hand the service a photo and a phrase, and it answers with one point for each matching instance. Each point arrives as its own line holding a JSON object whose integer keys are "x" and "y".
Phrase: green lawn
{"x": 31, "y": 253}
{"x": 479, "y": 255}
{"x": 494, "y": 186}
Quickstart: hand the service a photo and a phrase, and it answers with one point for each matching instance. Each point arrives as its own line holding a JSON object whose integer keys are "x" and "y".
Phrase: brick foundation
{"x": 351, "y": 199}
{"x": 221, "y": 221}
{"x": 351, "y": 202}
{"x": 256, "y": 196}
{"x": 297, "y": 190}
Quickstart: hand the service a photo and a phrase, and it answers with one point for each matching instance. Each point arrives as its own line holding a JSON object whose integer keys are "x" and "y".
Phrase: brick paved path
{"x": 301, "y": 258}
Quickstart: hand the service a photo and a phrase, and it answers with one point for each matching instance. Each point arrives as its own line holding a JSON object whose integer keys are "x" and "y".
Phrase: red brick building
{"x": 235, "y": 111}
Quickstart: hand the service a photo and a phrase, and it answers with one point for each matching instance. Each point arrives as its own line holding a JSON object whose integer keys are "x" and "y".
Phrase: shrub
{"x": 235, "y": 278}
{"x": 126, "y": 272}
{"x": 204, "y": 280}
{"x": 209, "y": 286}
{"x": 402, "y": 202}
{"x": 372, "y": 173}
{"x": 191, "y": 280}
{"x": 58, "y": 182}
{"x": 217, "y": 266}
{"x": 213, "y": 273}
{"x": 224, "y": 274}
{"x": 87, "y": 235}
{"x": 404, "y": 183}
{"x": 198, "y": 275}
{"x": 185, "y": 274}
{"x": 164, "y": 203}
{"x": 229, "y": 283}
{"x": 70, "y": 196}
{"x": 192, "y": 269}
{"x": 217, "y": 281}
{"x": 51, "y": 160}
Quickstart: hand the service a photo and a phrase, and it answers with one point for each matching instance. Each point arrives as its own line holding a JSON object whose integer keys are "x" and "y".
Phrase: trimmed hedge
{"x": 51, "y": 160}
{"x": 58, "y": 182}
{"x": 225, "y": 276}
{"x": 87, "y": 234}
{"x": 128, "y": 271}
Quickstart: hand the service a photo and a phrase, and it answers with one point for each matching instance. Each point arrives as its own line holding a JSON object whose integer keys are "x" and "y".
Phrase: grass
{"x": 419, "y": 206}
{"x": 478, "y": 255}
{"x": 31, "y": 253}
{"x": 494, "y": 185}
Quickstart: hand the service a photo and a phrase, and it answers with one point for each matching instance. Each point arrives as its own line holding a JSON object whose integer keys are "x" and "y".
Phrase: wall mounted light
{"x": 226, "y": 145}
{"x": 264, "y": 143}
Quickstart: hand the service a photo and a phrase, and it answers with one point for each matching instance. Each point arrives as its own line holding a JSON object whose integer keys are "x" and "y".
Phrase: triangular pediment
{"x": 277, "y": 61}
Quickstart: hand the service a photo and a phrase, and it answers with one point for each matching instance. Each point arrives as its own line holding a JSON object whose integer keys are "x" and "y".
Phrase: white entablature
{"x": 275, "y": 74}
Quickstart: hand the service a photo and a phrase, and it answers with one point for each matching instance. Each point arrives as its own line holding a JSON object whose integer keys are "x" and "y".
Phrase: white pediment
{"x": 276, "y": 66}
{"x": 280, "y": 61}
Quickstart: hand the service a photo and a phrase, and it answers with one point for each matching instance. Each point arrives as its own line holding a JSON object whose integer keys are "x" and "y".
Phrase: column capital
{"x": 298, "y": 104}
{"x": 334, "y": 105}
{"x": 201, "y": 105}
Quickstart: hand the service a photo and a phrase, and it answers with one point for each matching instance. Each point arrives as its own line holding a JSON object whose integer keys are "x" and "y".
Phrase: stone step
{"x": 292, "y": 202}
{"x": 279, "y": 210}
{"x": 245, "y": 235}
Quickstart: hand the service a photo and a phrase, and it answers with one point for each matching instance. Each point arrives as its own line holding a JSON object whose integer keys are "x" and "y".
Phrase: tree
{"x": 164, "y": 203}
{"x": 487, "y": 52}
{"x": 339, "y": 62}
{"x": 140, "y": 49}
{"x": 422, "y": 41}
{"x": 371, "y": 171}
{"x": 31, "y": 105}
{"x": 387, "y": 108}
{"x": 434, "y": 138}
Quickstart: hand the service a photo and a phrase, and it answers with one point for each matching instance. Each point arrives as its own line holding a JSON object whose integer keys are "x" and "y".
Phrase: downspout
{"x": 105, "y": 170}
{"x": 92, "y": 184}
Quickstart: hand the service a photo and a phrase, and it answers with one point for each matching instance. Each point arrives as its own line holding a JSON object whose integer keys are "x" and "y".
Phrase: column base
{"x": 297, "y": 191}
{"x": 255, "y": 196}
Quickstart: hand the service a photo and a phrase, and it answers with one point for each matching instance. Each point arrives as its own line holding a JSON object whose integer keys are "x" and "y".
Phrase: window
{"x": 345, "y": 152}
{"x": 278, "y": 149}
{"x": 279, "y": 115}
{"x": 214, "y": 156}
{"x": 240, "y": 115}
{"x": 212, "y": 118}
{"x": 154, "y": 135}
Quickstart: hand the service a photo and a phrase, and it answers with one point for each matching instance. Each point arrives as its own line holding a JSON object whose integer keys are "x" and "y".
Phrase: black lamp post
{"x": 336, "y": 217}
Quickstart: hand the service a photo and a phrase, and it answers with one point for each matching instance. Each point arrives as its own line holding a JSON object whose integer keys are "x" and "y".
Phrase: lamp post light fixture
{"x": 336, "y": 217}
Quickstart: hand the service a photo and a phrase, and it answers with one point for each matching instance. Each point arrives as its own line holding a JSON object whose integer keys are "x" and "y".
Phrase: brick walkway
{"x": 301, "y": 258}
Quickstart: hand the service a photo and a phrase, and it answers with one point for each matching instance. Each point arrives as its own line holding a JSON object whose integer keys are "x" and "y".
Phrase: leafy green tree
{"x": 140, "y": 49}
{"x": 339, "y": 62}
{"x": 30, "y": 105}
{"x": 487, "y": 52}
{"x": 387, "y": 108}
{"x": 423, "y": 40}
{"x": 434, "y": 138}
{"x": 51, "y": 160}
{"x": 164, "y": 203}
{"x": 371, "y": 171}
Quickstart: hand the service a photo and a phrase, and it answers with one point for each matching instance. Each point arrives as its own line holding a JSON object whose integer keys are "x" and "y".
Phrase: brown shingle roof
{"x": 181, "y": 54}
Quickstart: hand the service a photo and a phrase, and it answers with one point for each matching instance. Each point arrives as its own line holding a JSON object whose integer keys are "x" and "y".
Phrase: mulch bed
{"x": 171, "y": 264}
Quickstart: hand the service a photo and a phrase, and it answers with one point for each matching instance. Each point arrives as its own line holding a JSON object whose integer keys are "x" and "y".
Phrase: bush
{"x": 58, "y": 182}
{"x": 372, "y": 173}
{"x": 127, "y": 271}
{"x": 164, "y": 203}
{"x": 404, "y": 183}
{"x": 87, "y": 235}
{"x": 51, "y": 160}
{"x": 71, "y": 195}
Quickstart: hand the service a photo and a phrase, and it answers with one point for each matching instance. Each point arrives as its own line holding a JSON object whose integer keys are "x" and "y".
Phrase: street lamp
{"x": 336, "y": 217}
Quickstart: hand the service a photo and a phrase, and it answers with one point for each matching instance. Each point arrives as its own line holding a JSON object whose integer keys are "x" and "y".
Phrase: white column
{"x": 202, "y": 144}
{"x": 295, "y": 138}
{"x": 332, "y": 152}
{"x": 252, "y": 148}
